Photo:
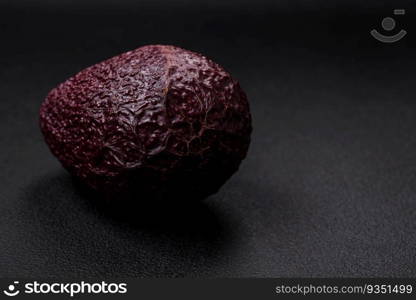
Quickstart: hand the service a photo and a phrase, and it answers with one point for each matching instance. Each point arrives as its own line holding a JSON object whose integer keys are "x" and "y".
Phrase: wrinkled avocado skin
{"x": 158, "y": 120}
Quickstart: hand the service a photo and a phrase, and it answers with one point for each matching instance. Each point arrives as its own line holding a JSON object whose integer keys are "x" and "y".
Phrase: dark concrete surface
{"x": 329, "y": 185}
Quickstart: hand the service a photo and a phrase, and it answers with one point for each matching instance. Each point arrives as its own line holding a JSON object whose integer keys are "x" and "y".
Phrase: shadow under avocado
{"x": 191, "y": 218}
{"x": 131, "y": 238}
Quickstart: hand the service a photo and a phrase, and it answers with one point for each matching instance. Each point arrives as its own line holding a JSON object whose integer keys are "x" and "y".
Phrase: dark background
{"x": 329, "y": 185}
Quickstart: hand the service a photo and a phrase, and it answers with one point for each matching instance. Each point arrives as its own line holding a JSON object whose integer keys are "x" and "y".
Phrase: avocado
{"x": 155, "y": 121}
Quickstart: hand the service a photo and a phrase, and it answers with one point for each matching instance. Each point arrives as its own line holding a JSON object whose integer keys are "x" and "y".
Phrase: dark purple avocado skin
{"x": 158, "y": 120}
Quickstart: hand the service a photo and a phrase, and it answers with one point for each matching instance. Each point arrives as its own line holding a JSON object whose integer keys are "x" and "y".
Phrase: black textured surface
{"x": 329, "y": 184}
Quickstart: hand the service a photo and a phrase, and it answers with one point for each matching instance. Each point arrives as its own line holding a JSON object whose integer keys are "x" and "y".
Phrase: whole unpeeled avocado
{"x": 155, "y": 121}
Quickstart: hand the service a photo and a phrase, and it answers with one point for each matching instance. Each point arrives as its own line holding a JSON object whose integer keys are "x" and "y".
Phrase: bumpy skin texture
{"x": 158, "y": 120}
